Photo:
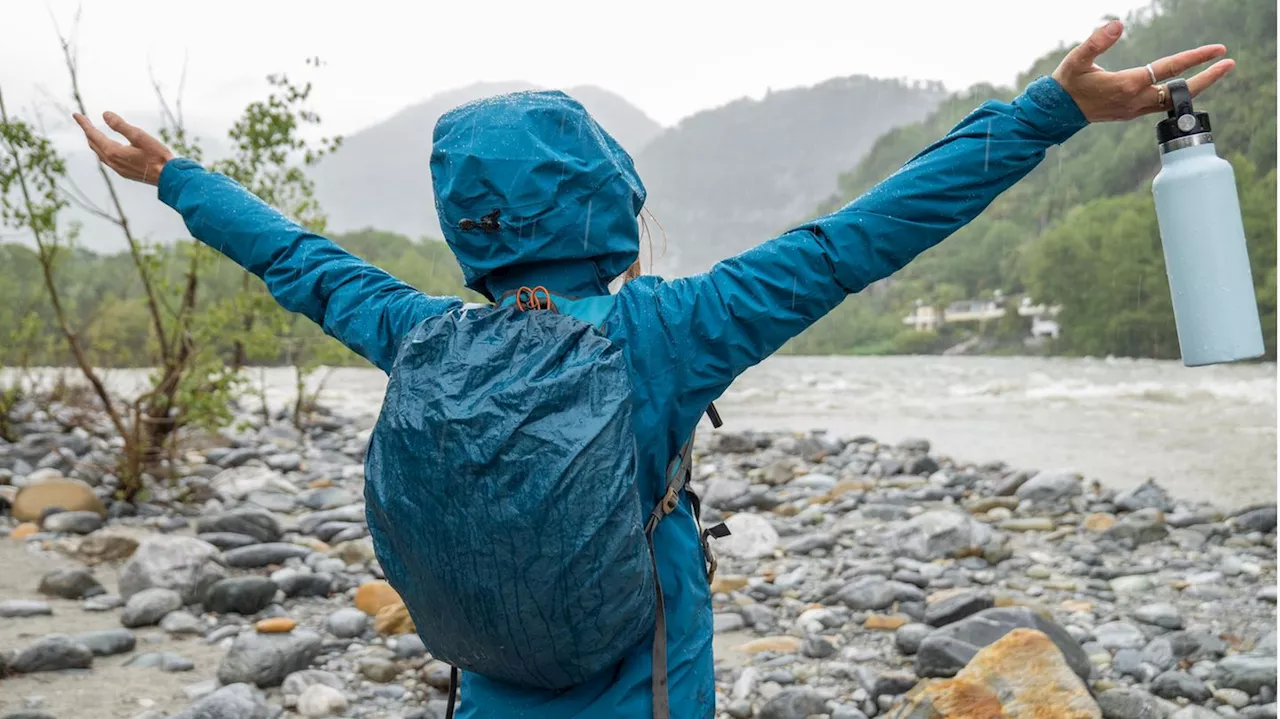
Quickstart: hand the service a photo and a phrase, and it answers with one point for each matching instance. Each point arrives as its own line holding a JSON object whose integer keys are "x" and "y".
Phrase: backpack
{"x": 502, "y": 499}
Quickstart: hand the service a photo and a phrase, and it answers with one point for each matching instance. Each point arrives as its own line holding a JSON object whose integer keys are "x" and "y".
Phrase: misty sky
{"x": 669, "y": 57}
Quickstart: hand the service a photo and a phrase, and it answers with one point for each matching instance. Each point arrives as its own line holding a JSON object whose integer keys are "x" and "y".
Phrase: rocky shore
{"x": 860, "y": 580}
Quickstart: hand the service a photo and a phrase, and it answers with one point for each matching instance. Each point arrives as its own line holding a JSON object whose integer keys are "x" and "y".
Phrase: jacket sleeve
{"x": 724, "y": 321}
{"x": 360, "y": 305}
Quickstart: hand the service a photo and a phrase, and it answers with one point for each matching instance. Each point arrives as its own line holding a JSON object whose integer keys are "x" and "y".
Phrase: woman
{"x": 684, "y": 340}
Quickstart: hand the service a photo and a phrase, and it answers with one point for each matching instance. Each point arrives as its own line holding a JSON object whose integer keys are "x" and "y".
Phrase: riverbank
{"x": 857, "y": 572}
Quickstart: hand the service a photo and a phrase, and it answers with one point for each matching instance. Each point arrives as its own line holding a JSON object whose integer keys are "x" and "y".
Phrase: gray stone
{"x": 107, "y": 642}
{"x": 1051, "y": 487}
{"x": 408, "y": 646}
{"x": 164, "y": 661}
{"x": 811, "y": 542}
{"x": 1247, "y": 672}
{"x": 347, "y": 623}
{"x": 149, "y": 606}
{"x": 727, "y": 622}
{"x": 235, "y": 701}
{"x": 184, "y": 564}
{"x": 1147, "y": 495}
{"x": 273, "y": 501}
{"x": 261, "y": 555}
{"x": 52, "y": 653}
{"x": 1232, "y": 697}
{"x": 1141, "y": 527}
{"x": 298, "y": 583}
{"x": 793, "y": 703}
{"x": 241, "y": 595}
{"x": 103, "y": 603}
{"x": 1119, "y": 635}
{"x": 954, "y": 608}
{"x": 1007, "y": 486}
{"x": 72, "y": 522}
{"x": 947, "y": 650}
{"x": 227, "y": 540}
{"x": 266, "y": 659}
{"x": 378, "y": 670}
{"x": 179, "y": 623}
{"x": 1130, "y": 704}
{"x": 870, "y": 593}
{"x": 1159, "y": 653}
{"x": 909, "y": 636}
{"x": 884, "y": 512}
{"x": 940, "y": 534}
{"x": 753, "y": 537}
{"x": 1194, "y": 712}
{"x": 1160, "y": 614}
{"x": 1172, "y": 685}
{"x": 76, "y": 583}
{"x": 16, "y": 608}
{"x": 350, "y": 513}
{"x": 257, "y": 523}
{"x": 1262, "y": 519}
{"x": 326, "y": 498}
{"x": 297, "y": 682}
{"x": 319, "y": 700}
{"x": 817, "y": 647}
{"x": 233, "y": 457}
{"x": 286, "y": 462}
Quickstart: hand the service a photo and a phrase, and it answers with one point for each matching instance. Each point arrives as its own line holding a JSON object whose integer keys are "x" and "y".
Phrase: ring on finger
{"x": 1162, "y": 96}
{"x": 1152, "y": 74}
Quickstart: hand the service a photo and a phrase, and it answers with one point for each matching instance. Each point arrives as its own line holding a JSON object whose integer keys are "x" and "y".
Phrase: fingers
{"x": 1209, "y": 75}
{"x": 1174, "y": 65}
{"x": 98, "y": 142}
{"x": 1084, "y": 54}
{"x": 129, "y": 132}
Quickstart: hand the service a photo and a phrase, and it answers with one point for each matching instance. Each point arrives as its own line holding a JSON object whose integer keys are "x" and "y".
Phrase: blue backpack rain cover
{"x": 501, "y": 496}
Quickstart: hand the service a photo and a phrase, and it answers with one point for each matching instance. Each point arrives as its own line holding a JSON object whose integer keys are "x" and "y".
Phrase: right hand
{"x": 141, "y": 160}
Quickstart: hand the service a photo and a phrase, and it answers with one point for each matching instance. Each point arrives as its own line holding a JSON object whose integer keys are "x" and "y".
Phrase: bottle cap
{"x": 1183, "y": 120}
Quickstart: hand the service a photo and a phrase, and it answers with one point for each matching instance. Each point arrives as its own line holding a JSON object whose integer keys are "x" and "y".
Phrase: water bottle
{"x": 1202, "y": 232}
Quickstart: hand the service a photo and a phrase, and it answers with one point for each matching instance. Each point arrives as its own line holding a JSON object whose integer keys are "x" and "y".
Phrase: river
{"x": 1205, "y": 433}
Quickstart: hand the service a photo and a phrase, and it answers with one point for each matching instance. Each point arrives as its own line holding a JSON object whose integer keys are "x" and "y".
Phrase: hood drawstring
{"x": 488, "y": 223}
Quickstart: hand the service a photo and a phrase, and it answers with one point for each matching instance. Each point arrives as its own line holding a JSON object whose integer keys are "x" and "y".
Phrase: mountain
{"x": 380, "y": 177}
{"x": 726, "y": 179}
{"x": 1080, "y": 230}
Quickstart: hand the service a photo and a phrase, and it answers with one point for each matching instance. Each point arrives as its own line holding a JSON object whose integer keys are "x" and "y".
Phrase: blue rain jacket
{"x": 569, "y": 198}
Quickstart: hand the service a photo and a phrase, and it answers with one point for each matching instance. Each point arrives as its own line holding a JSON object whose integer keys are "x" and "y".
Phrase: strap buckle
{"x": 670, "y": 500}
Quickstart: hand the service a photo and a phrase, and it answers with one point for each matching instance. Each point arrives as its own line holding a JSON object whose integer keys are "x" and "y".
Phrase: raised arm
{"x": 360, "y": 305}
{"x": 722, "y": 322}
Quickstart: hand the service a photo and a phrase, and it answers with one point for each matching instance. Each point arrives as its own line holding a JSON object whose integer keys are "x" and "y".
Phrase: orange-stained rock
{"x": 394, "y": 619}
{"x": 321, "y": 483}
{"x": 1099, "y": 522}
{"x": 373, "y": 596}
{"x": 1022, "y": 676}
{"x": 728, "y": 583}
{"x": 24, "y": 530}
{"x": 780, "y": 644}
{"x": 70, "y": 495}
{"x": 275, "y": 625}
{"x": 885, "y": 622}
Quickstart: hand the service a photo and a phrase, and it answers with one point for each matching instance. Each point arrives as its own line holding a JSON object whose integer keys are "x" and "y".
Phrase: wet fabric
{"x": 683, "y": 341}
{"x": 515, "y": 540}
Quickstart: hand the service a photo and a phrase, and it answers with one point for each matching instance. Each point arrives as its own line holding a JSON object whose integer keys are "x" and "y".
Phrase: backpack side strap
{"x": 679, "y": 472}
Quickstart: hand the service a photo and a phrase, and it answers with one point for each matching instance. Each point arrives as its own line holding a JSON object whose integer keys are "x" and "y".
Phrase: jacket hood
{"x": 530, "y": 190}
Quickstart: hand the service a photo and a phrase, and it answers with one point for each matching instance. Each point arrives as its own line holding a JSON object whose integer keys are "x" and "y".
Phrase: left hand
{"x": 1108, "y": 96}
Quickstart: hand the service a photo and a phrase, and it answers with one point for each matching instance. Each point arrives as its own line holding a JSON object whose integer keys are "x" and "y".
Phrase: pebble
{"x": 107, "y": 642}
{"x": 320, "y": 700}
{"x": 181, "y": 623}
{"x": 52, "y": 652}
{"x": 275, "y": 625}
{"x": 16, "y": 608}
{"x": 266, "y": 659}
{"x": 164, "y": 661}
{"x": 149, "y": 606}
{"x": 242, "y": 595}
{"x": 347, "y": 623}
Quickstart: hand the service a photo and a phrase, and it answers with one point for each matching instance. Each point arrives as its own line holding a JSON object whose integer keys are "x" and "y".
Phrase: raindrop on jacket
{"x": 569, "y": 198}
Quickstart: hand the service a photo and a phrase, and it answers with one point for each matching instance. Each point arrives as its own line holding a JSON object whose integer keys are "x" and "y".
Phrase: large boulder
{"x": 1051, "y": 487}
{"x": 940, "y": 534}
{"x": 1018, "y": 677}
{"x": 947, "y": 650}
{"x": 183, "y": 564}
{"x": 69, "y": 495}
{"x": 257, "y": 523}
{"x": 266, "y": 659}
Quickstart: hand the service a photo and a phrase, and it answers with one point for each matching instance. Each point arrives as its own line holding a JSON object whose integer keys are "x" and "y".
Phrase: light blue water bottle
{"x": 1202, "y": 231}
